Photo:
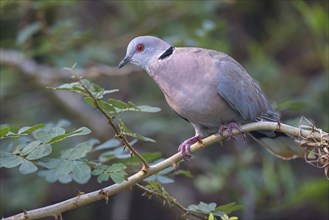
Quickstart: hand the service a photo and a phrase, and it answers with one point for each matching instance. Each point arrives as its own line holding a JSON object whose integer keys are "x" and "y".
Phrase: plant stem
{"x": 171, "y": 200}
{"x": 118, "y": 134}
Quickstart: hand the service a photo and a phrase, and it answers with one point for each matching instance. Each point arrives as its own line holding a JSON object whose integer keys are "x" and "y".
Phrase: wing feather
{"x": 242, "y": 93}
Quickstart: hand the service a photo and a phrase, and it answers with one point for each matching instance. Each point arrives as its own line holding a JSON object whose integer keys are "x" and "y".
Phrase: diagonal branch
{"x": 172, "y": 201}
{"x": 110, "y": 121}
{"x": 317, "y": 135}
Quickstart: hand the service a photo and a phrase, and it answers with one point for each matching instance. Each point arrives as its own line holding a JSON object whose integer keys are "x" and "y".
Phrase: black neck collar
{"x": 167, "y": 53}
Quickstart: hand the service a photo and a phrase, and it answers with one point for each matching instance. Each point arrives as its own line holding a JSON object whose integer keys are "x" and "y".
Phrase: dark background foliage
{"x": 282, "y": 44}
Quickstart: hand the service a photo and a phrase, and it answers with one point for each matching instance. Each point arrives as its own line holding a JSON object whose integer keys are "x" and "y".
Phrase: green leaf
{"x": 110, "y": 91}
{"x": 147, "y": 108}
{"x": 90, "y": 101}
{"x": 193, "y": 207}
{"x": 228, "y": 208}
{"x": 78, "y": 132}
{"x": 132, "y": 107}
{"x": 47, "y": 136}
{"x": 117, "y": 177}
{"x": 18, "y": 148}
{"x": 103, "y": 177}
{"x": 12, "y": 135}
{"x": 77, "y": 152}
{"x": 50, "y": 175}
{"x": 97, "y": 172}
{"x": 27, "y": 130}
{"x": 27, "y": 167}
{"x": 9, "y": 160}
{"x": 40, "y": 151}
{"x": 222, "y": 216}
{"x": 27, "y": 32}
{"x": 4, "y": 131}
{"x": 81, "y": 172}
{"x": 154, "y": 184}
{"x": 30, "y": 147}
{"x": 203, "y": 207}
{"x": 124, "y": 130}
{"x": 116, "y": 167}
{"x": 73, "y": 87}
{"x": 118, "y": 103}
{"x": 211, "y": 216}
{"x": 57, "y": 131}
{"x": 65, "y": 179}
{"x": 95, "y": 89}
{"x": 108, "y": 144}
{"x": 49, "y": 163}
{"x": 118, "y": 153}
{"x": 64, "y": 168}
{"x": 43, "y": 136}
{"x": 107, "y": 107}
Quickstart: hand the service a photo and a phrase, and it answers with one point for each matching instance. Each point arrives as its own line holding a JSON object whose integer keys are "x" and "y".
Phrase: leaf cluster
{"x": 213, "y": 211}
{"x": 35, "y": 152}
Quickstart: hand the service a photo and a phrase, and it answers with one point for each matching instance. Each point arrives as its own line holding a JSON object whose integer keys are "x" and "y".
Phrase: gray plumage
{"x": 209, "y": 89}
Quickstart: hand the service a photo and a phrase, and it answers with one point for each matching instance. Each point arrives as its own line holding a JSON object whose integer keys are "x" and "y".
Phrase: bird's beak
{"x": 126, "y": 60}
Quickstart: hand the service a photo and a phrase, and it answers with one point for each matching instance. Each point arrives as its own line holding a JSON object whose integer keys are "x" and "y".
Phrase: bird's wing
{"x": 241, "y": 92}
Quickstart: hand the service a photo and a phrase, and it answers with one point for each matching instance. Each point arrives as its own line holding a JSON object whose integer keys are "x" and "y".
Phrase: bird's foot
{"x": 229, "y": 128}
{"x": 185, "y": 147}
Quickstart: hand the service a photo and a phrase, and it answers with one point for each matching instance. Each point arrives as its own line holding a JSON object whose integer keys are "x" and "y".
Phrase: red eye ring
{"x": 140, "y": 47}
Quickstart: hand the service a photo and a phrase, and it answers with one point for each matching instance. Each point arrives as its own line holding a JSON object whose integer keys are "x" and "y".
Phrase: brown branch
{"x": 107, "y": 192}
{"x": 172, "y": 201}
{"x": 110, "y": 121}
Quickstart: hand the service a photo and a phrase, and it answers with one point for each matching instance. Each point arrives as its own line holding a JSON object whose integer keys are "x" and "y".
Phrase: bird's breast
{"x": 191, "y": 90}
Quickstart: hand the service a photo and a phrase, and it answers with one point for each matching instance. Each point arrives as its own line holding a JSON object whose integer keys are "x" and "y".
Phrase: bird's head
{"x": 144, "y": 50}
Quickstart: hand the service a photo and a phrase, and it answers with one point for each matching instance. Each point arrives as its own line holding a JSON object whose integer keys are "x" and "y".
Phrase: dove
{"x": 210, "y": 90}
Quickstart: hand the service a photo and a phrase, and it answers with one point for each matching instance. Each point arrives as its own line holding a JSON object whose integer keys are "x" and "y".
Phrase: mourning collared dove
{"x": 210, "y": 90}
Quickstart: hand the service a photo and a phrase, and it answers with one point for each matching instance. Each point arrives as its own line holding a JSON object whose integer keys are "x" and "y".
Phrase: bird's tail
{"x": 279, "y": 144}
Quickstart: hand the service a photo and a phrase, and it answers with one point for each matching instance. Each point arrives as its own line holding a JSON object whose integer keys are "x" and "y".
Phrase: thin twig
{"x": 110, "y": 121}
{"x": 172, "y": 200}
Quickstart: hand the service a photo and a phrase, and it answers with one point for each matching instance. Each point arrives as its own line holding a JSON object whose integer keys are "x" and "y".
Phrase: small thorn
{"x": 145, "y": 167}
{"x": 106, "y": 196}
{"x": 278, "y": 126}
{"x": 26, "y": 216}
{"x": 176, "y": 166}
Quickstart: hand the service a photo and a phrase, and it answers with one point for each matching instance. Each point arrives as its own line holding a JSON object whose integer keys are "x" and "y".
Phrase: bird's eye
{"x": 139, "y": 47}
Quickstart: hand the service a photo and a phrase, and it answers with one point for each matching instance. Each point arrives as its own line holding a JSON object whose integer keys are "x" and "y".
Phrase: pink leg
{"x": 229, "y": 129}
{"x": 185, "y": 147}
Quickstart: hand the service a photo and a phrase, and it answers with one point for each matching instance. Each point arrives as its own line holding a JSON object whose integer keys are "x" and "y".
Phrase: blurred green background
{"x": 282, "y": 44}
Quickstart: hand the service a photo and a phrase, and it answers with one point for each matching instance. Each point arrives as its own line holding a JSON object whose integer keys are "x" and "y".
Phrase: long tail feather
{"x": 279, "y": 144}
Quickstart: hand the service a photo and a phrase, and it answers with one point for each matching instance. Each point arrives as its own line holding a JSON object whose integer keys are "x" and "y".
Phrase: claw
{"x": 229, "y": 129}
{"x": 185, "y": 147}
